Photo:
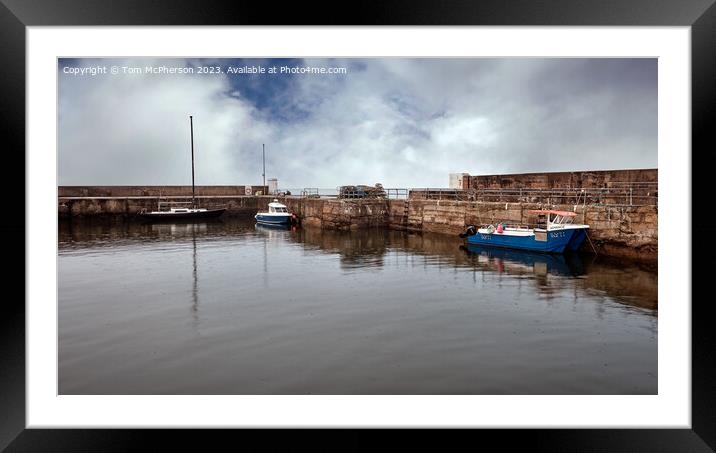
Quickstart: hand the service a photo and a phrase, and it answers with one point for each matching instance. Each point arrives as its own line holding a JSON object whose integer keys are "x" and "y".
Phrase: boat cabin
{"x": 174, "y": 206}
{"x": 552, "y": 219}
{"x": 276, "y": 207}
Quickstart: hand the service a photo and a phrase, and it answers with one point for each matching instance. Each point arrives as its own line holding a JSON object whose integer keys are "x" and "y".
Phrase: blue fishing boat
{"x": 277, "y": 214}
{"x": 555, "y": 233}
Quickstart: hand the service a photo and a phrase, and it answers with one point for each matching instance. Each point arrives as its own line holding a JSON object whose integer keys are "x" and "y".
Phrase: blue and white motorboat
{"x": 555, "y": 233}
{"x": 277, "y": 215}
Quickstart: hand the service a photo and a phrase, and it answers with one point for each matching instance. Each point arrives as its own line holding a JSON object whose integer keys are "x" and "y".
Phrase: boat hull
{"x": 273, "y": 219}
{"x": 272, "y": 227}
{"x": 577, "y": 240}
{"x": 557, "y": 241}
{"x": 171, "y": 216}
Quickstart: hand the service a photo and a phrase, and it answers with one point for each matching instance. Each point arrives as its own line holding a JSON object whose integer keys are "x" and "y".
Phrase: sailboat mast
{"x": 191, "y": 126}
{"x": 263, "y": 154}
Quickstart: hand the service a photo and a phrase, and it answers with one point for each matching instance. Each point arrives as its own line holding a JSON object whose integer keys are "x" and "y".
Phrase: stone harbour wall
{"x": 614, "y": 230}
{"x": 156, "y": 191}
{"x": 128, "y": 207}
{"x": 339, "y": 214}
{"x": 621, "y": 231}
{"x": 558, "y": 180}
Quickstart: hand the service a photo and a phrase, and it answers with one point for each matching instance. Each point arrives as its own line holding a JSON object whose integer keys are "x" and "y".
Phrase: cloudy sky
{"x": 400, "y": 122}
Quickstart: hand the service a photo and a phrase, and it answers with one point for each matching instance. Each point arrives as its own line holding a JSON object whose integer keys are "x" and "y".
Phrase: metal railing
{"x": 624, "y": 195}
{"x": 398, "y": 194}
{"x": 310, "y": 192}
{"x": 617, "y": 194}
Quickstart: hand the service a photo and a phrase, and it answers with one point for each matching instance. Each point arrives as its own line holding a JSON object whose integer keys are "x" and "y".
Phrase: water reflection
{"x": 296, "y": 311}
{"x": 540, "y": 264}
{"x": 195, "y": 286}
{"x": 356, "y": 249}
{"x": 631, "y": 283}
{"x": 180, "y": 230}
{"x": 108, "y": 232}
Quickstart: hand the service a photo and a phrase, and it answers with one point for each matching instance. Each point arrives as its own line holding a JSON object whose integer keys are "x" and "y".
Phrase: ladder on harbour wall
{"x": 406, "y": 212}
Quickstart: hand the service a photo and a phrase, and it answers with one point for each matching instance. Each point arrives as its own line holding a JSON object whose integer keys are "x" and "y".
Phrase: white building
{"x": 272, "y": 184}
{"x": 456, "y": 180}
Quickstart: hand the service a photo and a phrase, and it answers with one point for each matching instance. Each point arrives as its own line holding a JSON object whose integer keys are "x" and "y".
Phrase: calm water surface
{"x": 232, "y": 308}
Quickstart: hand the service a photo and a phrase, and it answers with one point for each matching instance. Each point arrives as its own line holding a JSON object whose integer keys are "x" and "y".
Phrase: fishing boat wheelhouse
{"x": 554, "y": 232}
{"x": 277, "y": 214}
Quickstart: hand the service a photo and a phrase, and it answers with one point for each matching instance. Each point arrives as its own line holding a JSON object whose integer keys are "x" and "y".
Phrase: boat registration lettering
{"x": 558, "y": 234}
{"x": 485, "y": 237}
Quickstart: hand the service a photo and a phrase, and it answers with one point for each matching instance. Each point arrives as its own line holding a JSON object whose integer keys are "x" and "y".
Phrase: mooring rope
{"x": 592, "y": 244}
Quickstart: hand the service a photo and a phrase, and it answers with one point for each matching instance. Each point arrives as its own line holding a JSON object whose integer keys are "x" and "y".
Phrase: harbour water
{"x": 228, "y": 307}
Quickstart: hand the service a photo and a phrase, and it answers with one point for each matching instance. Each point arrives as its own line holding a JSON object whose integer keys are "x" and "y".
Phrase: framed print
{"x": 440, "y": 218}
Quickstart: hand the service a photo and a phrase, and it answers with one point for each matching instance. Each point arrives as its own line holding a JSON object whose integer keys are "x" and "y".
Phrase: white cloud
{"x": 135, "y": 130}
{"x": 404, "y": 123}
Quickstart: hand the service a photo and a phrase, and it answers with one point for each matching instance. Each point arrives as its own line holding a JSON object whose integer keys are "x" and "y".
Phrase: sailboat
{"x": 180, "y": 210}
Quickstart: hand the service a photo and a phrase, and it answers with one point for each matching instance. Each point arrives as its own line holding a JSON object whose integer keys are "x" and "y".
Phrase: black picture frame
{"x": 700, "y": 15}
